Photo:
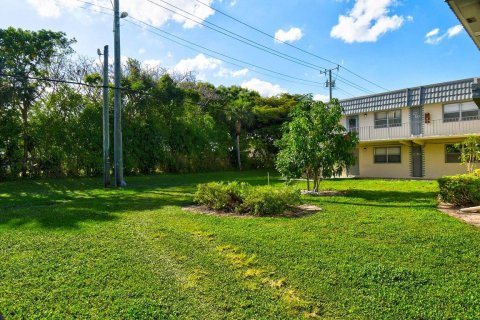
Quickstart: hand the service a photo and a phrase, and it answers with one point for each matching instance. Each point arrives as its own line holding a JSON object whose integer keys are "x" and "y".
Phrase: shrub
{"x": 243, "y": 198}
{"x": 269, "y": 200}
{"x": 220, "y": 196}
{"x": 461, "y": 190}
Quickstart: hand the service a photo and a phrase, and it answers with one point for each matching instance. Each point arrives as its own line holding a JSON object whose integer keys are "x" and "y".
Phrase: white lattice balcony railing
{"x": 410, "y": 130}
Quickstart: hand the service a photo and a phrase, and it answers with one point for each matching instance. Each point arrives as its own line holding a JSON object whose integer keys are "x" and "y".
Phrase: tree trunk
{"x": 308, "y": 181}
{"x": 25, "y": 140}
{"x": 315, "y": 182}
{"x": 238, "y": 130}
{"x": 238, "y": 153}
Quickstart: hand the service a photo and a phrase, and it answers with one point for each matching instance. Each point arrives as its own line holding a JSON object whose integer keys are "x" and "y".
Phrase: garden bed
{"x": 325, "y": 193}
{"x": 292, "y": 212}
{"x": 454, "y": 211}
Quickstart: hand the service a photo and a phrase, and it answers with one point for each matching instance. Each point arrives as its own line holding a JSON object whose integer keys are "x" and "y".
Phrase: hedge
{"x": 245, "y": 199}
{"x": 460, "y": 190}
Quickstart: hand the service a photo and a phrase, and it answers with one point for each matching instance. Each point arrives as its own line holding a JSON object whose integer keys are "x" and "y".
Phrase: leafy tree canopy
{"x": 314, "y": 144}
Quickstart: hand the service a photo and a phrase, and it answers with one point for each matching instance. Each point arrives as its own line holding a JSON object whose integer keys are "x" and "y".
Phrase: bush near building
{"x": 461, "y": 190}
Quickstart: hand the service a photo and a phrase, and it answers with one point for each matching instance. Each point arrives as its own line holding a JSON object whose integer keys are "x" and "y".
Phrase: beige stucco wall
{"x": 435, "y": 165}
{"x": 369, "y": 169}
{"x": 436, "y": 135}
{"x": 435, "y": 110}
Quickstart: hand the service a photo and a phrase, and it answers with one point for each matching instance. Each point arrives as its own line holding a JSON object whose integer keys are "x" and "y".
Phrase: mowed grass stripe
{"x": 70, "y": 249}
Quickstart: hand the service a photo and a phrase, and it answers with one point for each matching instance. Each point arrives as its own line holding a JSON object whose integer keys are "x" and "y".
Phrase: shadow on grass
{"x": 379, "y": 198}
{"x": 62, "y": 206}
{"x": 65, "y": 203}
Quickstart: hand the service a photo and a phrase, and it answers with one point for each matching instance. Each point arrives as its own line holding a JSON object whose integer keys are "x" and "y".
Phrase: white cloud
{"x": 152, "y": 63}
{"x": 433, "y": 37}
{"x": 321, "y": 97}
{"x": 141, "y": 51}
{"x": 202, "y": 66}
{"x": 197, "y": 64}
{"x": 453, "y": 31}
{"x": 52, "y": 8}
{"x": 265, "y": 88}
{"x": 141, "y": 10}
{"x": 367, "y": 21}
{"x": 292, "y": 35}
{"x": 432, "y": 33}
{"x": 224, "y": 73}
{"x": 240, "y": 73}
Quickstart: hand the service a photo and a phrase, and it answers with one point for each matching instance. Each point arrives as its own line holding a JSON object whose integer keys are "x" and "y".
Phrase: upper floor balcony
{"x": 414, "y": 130}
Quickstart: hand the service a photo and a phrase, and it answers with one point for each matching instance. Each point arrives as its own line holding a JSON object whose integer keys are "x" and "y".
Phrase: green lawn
{"x": 69, "y": 249}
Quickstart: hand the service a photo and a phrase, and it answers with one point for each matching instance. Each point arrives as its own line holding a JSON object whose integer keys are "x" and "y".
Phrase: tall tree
{"x": 269, "y": 116}
{"x": 25, "y": 58}
{"x": 315, "y": 144}
{"x": 239, "y": 107}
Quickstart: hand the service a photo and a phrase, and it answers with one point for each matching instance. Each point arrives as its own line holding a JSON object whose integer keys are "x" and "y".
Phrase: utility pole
{"x": 330, "y": 83}
{"x": 117, "y": 123}
{"x": 106, "y": 121}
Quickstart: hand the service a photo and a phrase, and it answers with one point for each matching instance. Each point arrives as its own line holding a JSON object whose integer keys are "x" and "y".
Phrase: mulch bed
{"x": 326, "y": 193}
{"x": 293, "y": 212}
{"x": 470, "y": 218}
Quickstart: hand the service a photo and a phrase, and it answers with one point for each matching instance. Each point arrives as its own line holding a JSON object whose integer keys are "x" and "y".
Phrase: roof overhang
{"x": 468, "y": 12}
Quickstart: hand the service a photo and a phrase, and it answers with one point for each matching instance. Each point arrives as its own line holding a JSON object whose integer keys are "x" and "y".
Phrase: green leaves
{"x": 314, "y": 143}
{"x": 470, "y": 152}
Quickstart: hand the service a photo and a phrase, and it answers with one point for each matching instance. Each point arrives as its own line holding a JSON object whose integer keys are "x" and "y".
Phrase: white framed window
{"x": 460, "y": 112}
{"x": 388, "y": 155}
{"x": 387, "y": 119}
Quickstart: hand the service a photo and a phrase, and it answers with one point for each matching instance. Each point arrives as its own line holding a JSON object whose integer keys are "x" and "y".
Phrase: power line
{"x": 310, "y": 83}
{"x": 43, "y": 79}
{"x": 236, "y": 36}
{"x": 145, "y": 93}
{"x": 315, "y": 84}
{"x": 218, "y": 53}
{"x": 340, "y": 78}
{"x": 254, "y": 44}
{"x": 353, "y": 85}
{"x": 289, "y": 44}
{"x": 344, "y": 91}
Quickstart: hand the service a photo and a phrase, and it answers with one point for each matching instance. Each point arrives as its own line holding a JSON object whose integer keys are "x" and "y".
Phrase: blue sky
{"x": 393, "y": 43}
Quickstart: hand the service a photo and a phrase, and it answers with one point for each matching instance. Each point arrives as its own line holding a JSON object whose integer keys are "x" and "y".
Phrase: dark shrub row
{"x": 461, "y": 190}
{"x": 246, "y": 199}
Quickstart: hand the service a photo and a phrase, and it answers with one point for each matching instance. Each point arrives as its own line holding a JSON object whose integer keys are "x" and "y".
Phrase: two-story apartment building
{"x": 412, "y": 133}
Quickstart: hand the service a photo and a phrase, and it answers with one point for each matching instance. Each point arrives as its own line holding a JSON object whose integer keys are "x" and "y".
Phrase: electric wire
{"x": 236, "y": 36}
{"x": 144, "y": 92}
{"x": 138, "y": 22}
{"x": 340, "y": 78}
{"x": 254, "y": 44}
{"x": 310, "y": 83}
{"x": 289, "y": 44}
{"x": 219, "y": 53}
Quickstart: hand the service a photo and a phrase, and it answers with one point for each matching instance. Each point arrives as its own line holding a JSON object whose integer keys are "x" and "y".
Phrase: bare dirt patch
{"x": 292, "y": 212}
{"x": 470, "y": 218}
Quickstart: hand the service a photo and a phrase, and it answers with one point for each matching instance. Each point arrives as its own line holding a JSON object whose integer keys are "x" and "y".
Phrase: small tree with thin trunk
{"x": 470, "y": 152}
{"x": 314, "y": 144}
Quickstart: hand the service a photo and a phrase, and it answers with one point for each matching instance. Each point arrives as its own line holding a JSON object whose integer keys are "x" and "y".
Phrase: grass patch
{"x": 70, "y": 249}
